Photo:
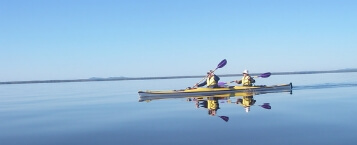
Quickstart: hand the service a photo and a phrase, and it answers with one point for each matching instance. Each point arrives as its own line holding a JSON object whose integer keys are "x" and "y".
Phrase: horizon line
{"x": 93, "y": 79}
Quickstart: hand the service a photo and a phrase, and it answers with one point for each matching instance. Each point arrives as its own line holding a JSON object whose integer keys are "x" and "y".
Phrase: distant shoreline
{"x": 169, "y": 77}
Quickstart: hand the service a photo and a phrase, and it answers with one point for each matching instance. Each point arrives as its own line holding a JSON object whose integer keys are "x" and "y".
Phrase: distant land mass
{"x": 98, "y": 78}
{"x": 92, "y": 79}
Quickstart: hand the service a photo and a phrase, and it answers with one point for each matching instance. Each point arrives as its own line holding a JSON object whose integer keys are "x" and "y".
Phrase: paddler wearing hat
{"x": 211, "y": 81}
{"x": 246, "y": 80}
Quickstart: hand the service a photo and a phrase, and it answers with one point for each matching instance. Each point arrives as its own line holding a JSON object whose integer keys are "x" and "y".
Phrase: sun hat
{"x": 246, "y": 72}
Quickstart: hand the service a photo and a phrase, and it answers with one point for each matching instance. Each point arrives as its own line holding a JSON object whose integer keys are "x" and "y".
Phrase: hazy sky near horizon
{"x": 71, "y": 39}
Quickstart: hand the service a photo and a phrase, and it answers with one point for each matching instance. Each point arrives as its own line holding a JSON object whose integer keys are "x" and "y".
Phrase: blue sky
{"x": 70, "y": 39}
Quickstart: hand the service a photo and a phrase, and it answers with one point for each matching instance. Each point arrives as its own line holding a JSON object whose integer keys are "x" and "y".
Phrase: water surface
{"x": 321, "y": 110}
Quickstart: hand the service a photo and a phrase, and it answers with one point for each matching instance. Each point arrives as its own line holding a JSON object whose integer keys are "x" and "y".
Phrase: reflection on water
{"x": 325, "y": 86}
{"x": 211, "y": 103}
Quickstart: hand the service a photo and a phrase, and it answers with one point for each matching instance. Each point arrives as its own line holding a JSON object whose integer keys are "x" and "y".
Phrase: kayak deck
{"x": 212, "y": 91}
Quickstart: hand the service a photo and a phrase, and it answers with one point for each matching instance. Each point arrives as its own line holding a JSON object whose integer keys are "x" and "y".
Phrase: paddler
{"x": 246, "y": 80}
{"x": 211, "y": 81}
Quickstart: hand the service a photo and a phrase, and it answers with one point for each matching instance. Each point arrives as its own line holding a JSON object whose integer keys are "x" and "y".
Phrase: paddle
{"x": 263, "y": 75}
{"x": 220, "y": 65}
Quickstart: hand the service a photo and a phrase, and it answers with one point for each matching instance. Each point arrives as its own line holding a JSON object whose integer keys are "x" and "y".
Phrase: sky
{"x": 75, "y": 39}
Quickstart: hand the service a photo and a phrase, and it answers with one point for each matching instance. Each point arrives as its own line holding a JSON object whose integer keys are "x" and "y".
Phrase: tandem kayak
{"x": 213, "y": 91}
{"x": 223, "y": 96}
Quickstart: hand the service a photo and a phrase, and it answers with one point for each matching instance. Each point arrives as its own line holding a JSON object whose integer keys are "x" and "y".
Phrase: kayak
{"x": 214, "y": 91}
{"x": 221, "y": 96}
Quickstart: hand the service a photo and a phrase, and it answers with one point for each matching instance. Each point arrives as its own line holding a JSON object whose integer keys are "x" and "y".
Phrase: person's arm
{"x": 202, "y": 84}
{"x": 251, "y": 79}
{"x": 216, "y": 78}
{"x": 239, "y": 82}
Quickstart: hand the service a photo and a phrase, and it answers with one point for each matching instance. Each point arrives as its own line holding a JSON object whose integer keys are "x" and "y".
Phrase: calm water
{"x": 321, "y": 110}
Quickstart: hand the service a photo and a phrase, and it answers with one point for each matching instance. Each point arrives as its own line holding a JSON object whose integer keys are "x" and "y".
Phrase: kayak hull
{"x": 214, "y": 91}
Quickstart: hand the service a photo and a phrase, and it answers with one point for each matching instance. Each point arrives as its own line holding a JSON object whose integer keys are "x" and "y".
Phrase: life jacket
{"x": 246, "y": 81}
{"x": 211, "y": 81}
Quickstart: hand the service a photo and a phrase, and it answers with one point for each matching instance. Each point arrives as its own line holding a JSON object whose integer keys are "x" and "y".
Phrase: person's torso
{"x": 246, "y": 81}
{"x": 211, "y": 81}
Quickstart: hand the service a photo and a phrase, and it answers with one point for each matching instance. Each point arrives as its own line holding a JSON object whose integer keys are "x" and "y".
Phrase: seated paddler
{"x": 211, "y": 81}
{"x": 246, "y": 80}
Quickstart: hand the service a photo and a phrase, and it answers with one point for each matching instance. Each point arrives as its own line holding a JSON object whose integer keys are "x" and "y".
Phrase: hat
{"x": 246, "y": 72}
{"x": 210, "y": 71}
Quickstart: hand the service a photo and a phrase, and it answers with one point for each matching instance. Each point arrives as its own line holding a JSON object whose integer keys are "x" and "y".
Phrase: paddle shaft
{"x": 263, "y": 75}
{"x": 206, "y": 76}
{"x": 220, "y": 65}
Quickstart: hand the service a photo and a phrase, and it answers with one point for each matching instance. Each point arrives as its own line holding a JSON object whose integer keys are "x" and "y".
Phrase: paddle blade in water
{"x": 266, "y": 106}
{"x": 265, "y": 75}
{"x": 225, "y": 118}
{"x": 222, "y": 63}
